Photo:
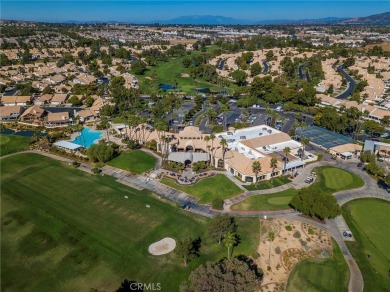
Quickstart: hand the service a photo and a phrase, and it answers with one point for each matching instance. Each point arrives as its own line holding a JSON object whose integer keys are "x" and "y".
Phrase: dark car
{"x": 359, "y": 164}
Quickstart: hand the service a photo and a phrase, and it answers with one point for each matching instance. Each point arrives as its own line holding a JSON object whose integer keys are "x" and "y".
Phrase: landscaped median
{"x": 268, "y": 184}
{"x": 218, "y": 186}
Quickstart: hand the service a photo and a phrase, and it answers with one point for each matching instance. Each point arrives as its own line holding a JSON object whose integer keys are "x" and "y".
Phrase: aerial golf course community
{"x": 62, "y": 219}
{"x": 201, "y": 153}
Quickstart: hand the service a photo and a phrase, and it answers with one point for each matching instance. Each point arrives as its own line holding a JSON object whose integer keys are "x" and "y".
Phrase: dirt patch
{"x": 385, "y": 46}
{"x": 291, "y": 245}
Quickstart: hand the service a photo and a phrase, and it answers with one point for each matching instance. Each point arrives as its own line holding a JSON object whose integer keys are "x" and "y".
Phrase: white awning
{"x": 67, "y": 145}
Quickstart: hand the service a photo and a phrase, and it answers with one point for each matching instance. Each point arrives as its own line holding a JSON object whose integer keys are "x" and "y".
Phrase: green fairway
{"x": 172, "y": 71}
{"x": 208, "y": 189}
{"x": 268, "y": 202}
{"x": 12, "y": 143}
{"x": 66, "y": 230}
{"x": 320, "y": 274}
{"x": 369, "y": 221}
{"x": 333, "y": 179}
{"x": 268, "y": 184}
{"x": 136, "y": 161}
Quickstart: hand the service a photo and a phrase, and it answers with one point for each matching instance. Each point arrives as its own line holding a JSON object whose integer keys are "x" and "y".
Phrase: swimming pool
{"x": 87, "y": 137}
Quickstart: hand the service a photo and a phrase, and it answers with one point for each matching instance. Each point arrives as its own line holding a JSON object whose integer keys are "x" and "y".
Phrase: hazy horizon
{"x": 151, "y": 11}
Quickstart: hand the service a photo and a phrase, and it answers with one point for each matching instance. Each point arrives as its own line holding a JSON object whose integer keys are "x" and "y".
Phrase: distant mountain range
{"x": 377, "y": 19}
{"x": 383, "y": 18}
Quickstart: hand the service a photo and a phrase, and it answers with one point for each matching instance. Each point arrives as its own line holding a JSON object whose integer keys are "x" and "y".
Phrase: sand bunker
{"x": 164, "y": 246}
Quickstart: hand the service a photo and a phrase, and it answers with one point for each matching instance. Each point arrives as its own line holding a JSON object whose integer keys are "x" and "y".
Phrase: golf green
{"x": 320, "y": 274}
{"x": 12, "y": 143}
{"x": 266, "y": 202}
{"x": 333, "y": 179}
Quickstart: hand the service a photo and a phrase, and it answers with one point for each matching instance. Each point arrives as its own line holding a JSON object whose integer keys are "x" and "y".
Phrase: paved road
{"x": 351, "y": 84}
{"x": 266, "y": 67}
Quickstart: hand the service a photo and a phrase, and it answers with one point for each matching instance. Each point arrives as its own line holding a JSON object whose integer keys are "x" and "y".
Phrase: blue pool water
{"x": 87, "y": 137}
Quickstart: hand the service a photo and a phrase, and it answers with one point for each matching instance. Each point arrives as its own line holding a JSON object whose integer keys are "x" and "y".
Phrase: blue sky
{"x": 145, "y": 11}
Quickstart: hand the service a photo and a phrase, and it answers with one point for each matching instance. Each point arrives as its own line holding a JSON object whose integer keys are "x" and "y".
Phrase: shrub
{"x": 311, "y": 231}
{"x": 217, "y": 204}
{"x": 303, "y": 243}
{"x": 199, "y": 166}
{"x": 76, "y": 164}
{"x": 173, "y": 166}
{"x": 278, "y": 250}
{"x": 152, "y": 145}
{"x": 96, "y": 170}
{"x": 133, "y": 144}
{"x": 297, "y": 234}
{"x": 288, "y": 228}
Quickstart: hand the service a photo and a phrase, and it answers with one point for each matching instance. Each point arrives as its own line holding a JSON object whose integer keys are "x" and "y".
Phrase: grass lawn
{"x": 268, "y": 202}
{"x": 268, "y": 184}
{"x": 208, "y": 189}
{"x": 12, "y": 143}
{"x": 66, "y": 230}
{"x": 136, "y": 161}
{"x": 333, "y": 179}
{"x": 369, "y": 220}
{"x": 320, "y": 274}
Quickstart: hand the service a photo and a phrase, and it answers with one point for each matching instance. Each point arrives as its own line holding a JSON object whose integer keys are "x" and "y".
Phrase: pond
{"x": 165, "y": 87}
{"x": 21, "y": 133}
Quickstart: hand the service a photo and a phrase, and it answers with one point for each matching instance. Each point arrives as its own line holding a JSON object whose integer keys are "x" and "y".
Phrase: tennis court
{"x": 323, "y": 137}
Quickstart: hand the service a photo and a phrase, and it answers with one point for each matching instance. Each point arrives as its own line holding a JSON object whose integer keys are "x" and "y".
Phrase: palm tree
{"x": 274, "y": 164}
{"x": 207, "y": 139}
{"x": 223, "y": 145}
{"x": 271, "y": 237}
{"x": 304, "y": 142}
{"x": 256, "y": 168}
{"x": 230, "y": 240}
{"x": 212, "y": 137}
{"x": 286, "y": 152}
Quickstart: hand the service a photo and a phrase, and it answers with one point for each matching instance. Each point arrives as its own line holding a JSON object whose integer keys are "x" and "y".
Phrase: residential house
{"x": 57, "y": 119}
{"x": 43, "y": 99}
{"x": 22, "y": 100}
{"x": 59, "y": 99}
{"x": 10, "y": 112}
{"x": 33, "y": 113}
